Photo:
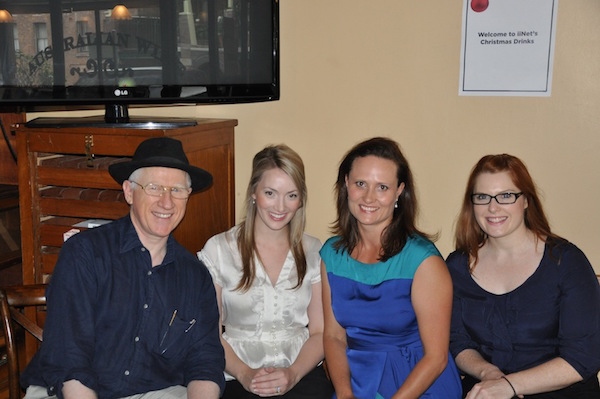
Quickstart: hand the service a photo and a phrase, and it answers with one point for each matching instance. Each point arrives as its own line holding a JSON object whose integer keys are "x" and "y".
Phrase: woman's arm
{"x": 549, "y": 376}
{"x": 334, "y": 342}
{"x": 432, "y": 302}
{"x": 233, "y": 364}
{"x": 312, "y": 351}
{"x": 472, "y": 363}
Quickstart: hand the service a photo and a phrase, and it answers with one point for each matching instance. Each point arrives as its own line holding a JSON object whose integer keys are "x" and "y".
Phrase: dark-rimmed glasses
{"x": 156, "y": 190}
{"x": 502, "y": 198}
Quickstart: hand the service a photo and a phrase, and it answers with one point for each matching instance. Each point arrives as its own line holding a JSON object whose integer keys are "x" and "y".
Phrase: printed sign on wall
{"x": 507, "y": 47}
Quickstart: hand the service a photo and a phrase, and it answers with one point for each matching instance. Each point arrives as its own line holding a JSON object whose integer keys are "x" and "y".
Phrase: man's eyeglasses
{"x": 156, "y": 190}
{"x": 502, "y": 198}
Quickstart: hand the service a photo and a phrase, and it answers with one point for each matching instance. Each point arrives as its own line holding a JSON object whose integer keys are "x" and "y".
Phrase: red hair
{"x": 469, "y": 237}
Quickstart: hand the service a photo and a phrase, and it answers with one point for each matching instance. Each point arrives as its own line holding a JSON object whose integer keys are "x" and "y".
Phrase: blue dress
{"x": 373, "y": 303}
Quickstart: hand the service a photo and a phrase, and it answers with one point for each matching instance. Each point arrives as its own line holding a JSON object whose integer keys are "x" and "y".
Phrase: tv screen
{"x": 90, "y": 52}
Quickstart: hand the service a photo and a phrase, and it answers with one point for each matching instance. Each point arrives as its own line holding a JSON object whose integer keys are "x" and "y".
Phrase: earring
{"x": 396, "y": 204}
{"x": 253, "y": 201}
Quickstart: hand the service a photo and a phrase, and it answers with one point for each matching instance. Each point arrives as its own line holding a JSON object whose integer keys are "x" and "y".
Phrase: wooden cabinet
{"x": 64, "y": 180}
{"x": 8, "y": 162}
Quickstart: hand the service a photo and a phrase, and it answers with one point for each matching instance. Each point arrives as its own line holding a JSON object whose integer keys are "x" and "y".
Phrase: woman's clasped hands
{"x": 269, "y": 381}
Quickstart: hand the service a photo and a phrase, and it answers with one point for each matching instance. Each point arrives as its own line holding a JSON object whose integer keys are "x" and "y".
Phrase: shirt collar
{"x": 130, "y": 239}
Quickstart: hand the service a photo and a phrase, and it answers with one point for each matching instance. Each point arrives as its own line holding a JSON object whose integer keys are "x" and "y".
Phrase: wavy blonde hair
{"x": 271, "y": 157}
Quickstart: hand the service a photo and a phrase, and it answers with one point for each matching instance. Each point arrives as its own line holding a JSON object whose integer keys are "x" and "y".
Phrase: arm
{"x": 464, "y": 349}
{"x": 549, "y": 376}
{"x": 202, "y": 390}
{"x": 215, "y": 260}
{"x": 69, "y": 332}
{"x": 334, "y": 342}
{"x": 308, "y": 357}
{"x": 233, "y": 364}
{"x": 579, "y": 337}
{"x": 472, "y": 363}
{"x": 74, "y": 389}
{"x": 432, "y": 301}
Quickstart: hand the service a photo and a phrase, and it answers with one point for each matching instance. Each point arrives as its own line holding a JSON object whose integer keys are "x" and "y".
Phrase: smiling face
{"x": 373, "y": 190}
{"x": 154, "y": 218}
{"x": 277, "y": 200}
{"x": 496, "y": 220}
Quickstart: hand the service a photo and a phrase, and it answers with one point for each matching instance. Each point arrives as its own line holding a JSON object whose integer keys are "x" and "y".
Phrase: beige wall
{"x": 352, "y": 69}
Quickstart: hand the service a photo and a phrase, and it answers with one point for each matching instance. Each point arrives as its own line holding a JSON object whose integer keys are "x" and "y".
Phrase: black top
{"x": 554, "y": 313}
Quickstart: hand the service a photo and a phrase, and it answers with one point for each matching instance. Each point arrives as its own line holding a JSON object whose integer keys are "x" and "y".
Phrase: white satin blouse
{"x": 266, "y": 325}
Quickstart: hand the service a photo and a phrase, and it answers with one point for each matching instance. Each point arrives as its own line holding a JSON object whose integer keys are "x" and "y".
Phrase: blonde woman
{"x": 266, "y": 275}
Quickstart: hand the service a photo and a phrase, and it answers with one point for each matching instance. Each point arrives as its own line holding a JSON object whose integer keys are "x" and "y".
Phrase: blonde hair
{"x": 284, "y": 158}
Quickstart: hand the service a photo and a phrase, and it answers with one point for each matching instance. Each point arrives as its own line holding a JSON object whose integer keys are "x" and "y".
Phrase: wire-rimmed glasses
{"x": 156, "y": 190}
{"x": 502, "y": 198}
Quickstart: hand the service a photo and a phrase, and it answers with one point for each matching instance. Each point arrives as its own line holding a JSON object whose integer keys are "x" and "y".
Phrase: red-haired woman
{"x": 526, "y": 314}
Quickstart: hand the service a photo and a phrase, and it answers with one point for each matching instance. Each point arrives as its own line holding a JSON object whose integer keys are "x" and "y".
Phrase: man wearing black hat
{"x": 130, "y": 311}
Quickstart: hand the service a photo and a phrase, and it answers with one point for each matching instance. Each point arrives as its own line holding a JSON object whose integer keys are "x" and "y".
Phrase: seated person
{"x": 387, "y": 293}
{"x": 266, "y": 274}
{"x": 526, "y": 313}
{"x": 130, "y": 311}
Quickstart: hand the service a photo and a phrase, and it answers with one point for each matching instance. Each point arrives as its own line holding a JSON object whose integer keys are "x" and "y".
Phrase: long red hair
{"x": 468, "y": 236}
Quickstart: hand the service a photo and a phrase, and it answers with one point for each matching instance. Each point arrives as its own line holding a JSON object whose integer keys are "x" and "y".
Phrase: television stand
{"x": 115, "y": 115}
{"x": 133, "y": 122}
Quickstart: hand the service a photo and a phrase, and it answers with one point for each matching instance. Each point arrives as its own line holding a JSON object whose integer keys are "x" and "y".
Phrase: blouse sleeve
{"x": 209, "y": 255}
{"x": 579, "y": 326}
{"x": 460, "y": 339}
{"x": 312, "y": 246}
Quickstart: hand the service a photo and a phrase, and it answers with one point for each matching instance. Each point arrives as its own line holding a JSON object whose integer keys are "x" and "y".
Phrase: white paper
{"x": 507, "y": 47}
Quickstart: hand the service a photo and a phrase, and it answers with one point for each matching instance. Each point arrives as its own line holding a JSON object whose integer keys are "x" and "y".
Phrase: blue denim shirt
{"x": 121, "y": 326}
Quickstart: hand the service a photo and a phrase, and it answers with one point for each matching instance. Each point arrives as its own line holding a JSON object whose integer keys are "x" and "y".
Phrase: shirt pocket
{"x": 176, "y": 337}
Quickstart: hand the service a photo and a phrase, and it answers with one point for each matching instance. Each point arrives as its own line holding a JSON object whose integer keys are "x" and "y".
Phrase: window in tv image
{"x": 86, "y": 50}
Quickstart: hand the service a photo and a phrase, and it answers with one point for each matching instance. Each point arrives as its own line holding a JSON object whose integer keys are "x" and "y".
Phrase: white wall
{"x": 352, "y": 69}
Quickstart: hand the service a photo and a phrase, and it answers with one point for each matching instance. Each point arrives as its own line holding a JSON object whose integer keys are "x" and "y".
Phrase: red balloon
{"x": 479, "y": 5}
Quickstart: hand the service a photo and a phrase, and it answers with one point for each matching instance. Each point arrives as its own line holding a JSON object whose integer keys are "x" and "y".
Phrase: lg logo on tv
{"x": 121, "y": 92}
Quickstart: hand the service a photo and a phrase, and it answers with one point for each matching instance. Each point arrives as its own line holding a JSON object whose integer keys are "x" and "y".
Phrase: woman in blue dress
{"x": 387, "y": 293}
{"x": 526, "y": 314}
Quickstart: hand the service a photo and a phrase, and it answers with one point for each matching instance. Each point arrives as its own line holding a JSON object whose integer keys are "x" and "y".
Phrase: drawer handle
{"x": 89, "y": 143}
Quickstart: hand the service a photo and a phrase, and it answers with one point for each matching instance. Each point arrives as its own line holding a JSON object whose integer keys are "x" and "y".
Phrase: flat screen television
{"x": 139, "y": 52}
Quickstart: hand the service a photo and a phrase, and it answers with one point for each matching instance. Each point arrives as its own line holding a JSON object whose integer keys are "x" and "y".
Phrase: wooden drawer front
{"x": 83, "y": 209}
{"x": 71, "y": 177}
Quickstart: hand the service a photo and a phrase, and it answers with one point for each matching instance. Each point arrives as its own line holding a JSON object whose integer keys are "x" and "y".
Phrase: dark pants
{"x": 586, "y": 389}
{"x": 314, "y": 385}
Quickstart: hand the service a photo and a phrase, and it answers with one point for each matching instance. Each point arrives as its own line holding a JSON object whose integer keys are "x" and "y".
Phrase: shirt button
{"x": 145, "y": 306}
{"x": 150, "y": 273}
{"x": 126, "y": 372}
{"x": 143, "y": 249}
{"x": 136, "y": 339}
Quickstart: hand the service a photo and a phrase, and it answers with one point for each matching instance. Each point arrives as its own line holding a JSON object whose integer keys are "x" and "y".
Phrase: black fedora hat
{"x": 164, "y": 152}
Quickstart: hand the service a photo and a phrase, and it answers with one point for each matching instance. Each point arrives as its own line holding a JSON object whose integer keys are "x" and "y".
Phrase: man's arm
{"x": 74, "y": 389}
{"x": 203, "y": 390}
{"x": 69, "y": 332}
